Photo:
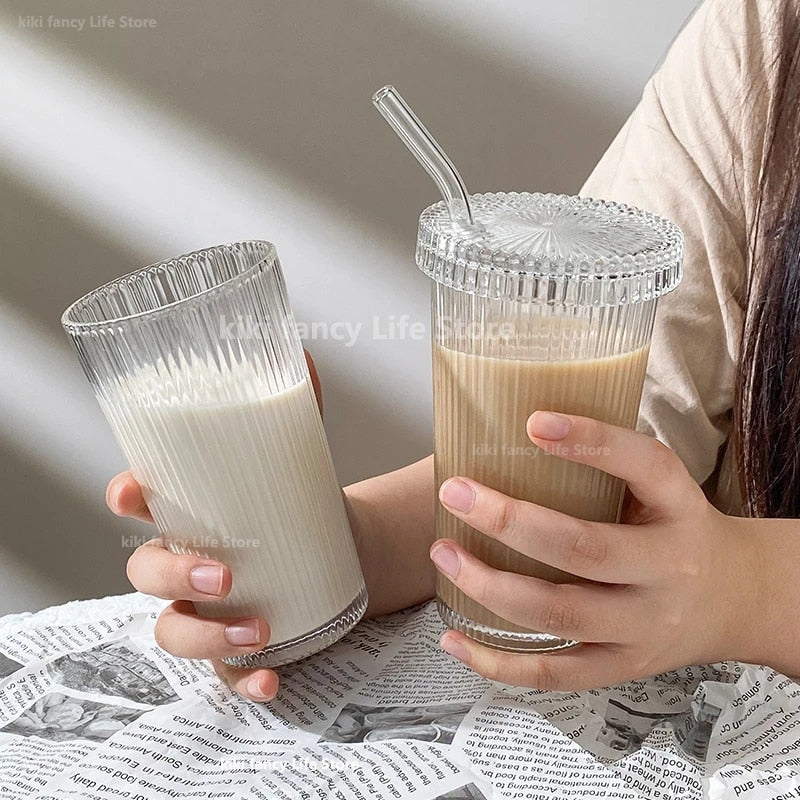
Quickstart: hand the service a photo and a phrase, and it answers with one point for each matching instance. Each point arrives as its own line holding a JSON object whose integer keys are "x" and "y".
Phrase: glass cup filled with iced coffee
{"x": 546, "y": 303}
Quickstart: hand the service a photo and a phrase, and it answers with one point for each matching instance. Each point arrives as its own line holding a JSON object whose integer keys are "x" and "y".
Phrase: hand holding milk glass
{"x": 539, "y": 302}
{"x": 198, "y": 368}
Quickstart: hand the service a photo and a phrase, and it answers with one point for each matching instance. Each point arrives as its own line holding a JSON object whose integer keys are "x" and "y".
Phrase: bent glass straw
{"x": 427, "y": 151}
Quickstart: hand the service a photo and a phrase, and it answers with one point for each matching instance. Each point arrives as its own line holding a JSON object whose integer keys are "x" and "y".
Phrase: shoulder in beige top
{"x": 692, "y": 151}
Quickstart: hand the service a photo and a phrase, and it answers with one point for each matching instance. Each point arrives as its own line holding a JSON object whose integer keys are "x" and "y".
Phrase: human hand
{"x": 671, "y": 585}
{"x": 186, "y": 580}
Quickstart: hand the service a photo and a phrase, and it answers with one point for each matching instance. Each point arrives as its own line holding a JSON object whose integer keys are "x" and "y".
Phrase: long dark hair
{"x": 767, "y": 402}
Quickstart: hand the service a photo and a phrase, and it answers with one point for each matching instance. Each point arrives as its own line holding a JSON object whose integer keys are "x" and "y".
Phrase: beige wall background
{"x": 123, "y": 145}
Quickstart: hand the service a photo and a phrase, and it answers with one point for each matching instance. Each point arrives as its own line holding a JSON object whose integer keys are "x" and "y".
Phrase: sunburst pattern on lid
{"x": 552, "y": 248}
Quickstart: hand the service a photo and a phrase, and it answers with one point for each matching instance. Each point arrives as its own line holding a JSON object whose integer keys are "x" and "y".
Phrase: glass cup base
{"x": 309, "y": 643}
{"x": 516, "y": 641}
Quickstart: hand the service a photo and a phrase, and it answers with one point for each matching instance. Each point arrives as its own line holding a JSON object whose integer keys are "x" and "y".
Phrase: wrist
{"x": 766, "y": 627}
{"x": 739, "y": 591}
{"x": 364, "y": 538}
{"x": 391, "y": 517}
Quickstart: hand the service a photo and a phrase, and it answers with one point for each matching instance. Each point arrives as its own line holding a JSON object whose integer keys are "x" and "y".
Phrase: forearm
{"x": 392, "y": 520}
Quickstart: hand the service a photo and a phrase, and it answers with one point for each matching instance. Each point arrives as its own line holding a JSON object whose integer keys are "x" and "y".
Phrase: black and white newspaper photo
{"x": 94, "y": 709}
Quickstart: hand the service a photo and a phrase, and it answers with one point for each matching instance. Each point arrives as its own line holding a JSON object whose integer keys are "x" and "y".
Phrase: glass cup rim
{"x": 70, "y": 324}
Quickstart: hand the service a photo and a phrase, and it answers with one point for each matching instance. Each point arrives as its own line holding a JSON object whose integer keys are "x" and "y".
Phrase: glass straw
{"x": 427, "y": 151}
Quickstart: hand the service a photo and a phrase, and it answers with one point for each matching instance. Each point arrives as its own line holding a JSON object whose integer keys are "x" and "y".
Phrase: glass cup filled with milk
{"x": 546, "y": 302}
{"x": 198, "y": 367}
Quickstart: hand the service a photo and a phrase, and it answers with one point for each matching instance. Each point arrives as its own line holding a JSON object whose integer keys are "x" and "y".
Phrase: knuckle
{"x": 504, "y": 519}
{"x": 518, "y": 670}
{"x": 561, "y": 617}
{"x": 175, "y": 574}
{"x": 160, "y": 631}
{"x": 687, "y": 566}
{"x": 682, "y": 559}
{"x": 587, "y": 548}
{"x": 543, "y": 676}
{"x": 591, "y": 436}
{"x": 494, "y": 667}
{"x": 484, "y": 589}
{"x": 598, "y": 434}
{"x": 661, "y": 460}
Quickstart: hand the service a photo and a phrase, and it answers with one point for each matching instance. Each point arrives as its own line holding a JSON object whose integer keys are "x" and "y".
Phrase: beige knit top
{"x": 692, "y": 151}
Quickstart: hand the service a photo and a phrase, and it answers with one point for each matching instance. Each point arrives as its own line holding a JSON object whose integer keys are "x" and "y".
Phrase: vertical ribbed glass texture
{"x": 549, "y": 306}
{"x": 198, "y": 367}
{"x": 486, "y": 384}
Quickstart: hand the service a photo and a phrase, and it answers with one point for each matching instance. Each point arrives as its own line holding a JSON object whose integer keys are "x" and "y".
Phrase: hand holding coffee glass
{"x": 549, "y": 306}
{"x": 538, "y": 302}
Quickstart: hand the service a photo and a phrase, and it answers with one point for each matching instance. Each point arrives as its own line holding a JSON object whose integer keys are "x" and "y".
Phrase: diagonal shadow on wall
{"x": 289, "y": 83}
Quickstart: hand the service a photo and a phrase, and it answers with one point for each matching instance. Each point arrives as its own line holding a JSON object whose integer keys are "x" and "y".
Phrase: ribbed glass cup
{"x": 198, "y": 367}
{"x": 548, "y": 304}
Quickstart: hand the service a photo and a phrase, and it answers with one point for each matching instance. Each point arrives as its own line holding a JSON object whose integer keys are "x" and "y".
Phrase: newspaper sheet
{"x": 91, "y": 707}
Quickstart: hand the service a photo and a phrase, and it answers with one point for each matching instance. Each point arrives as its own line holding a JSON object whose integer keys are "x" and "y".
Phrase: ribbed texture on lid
{"x": 552, "y": 249}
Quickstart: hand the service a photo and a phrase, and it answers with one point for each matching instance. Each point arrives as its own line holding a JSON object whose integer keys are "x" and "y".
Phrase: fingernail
{"x": 457, "y": 495}
{"x": 454, "y": 648}
{"x": 207, "y": 579}
{"x": 254, "y": 689}
{"x": 547, "y": 425}
{"x": 243, "y": 633}
{"x": 446, "y": 559}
